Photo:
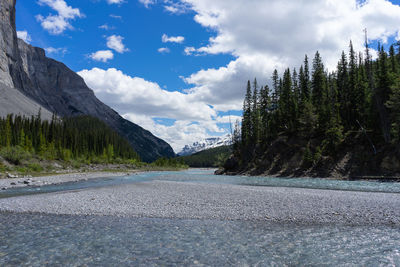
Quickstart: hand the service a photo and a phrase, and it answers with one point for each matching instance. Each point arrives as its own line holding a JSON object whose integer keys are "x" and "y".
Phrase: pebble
{"x": 189, "y": 200}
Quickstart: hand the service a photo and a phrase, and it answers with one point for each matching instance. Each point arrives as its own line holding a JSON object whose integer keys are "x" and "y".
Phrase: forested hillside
{"x": 324, "y": 123}
{"x": 81, "y": 137}
{"x": 214, "y": 157}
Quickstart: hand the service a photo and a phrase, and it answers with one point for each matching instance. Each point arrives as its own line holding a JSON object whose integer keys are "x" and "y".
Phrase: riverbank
{"x": 190, "y": 200}
{"x": 52, "y": 179}
{"x": 298, "y": 156}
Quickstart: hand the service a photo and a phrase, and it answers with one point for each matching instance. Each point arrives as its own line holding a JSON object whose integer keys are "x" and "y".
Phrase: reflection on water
{"x": 78, "y": 240}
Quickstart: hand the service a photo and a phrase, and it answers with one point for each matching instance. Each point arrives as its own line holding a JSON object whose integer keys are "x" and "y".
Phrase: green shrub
{"x": 35, "y": 167}
{"x": 308, "y": 158}
{"x": 317, "y": 155}
{"x": 15, "y": 154}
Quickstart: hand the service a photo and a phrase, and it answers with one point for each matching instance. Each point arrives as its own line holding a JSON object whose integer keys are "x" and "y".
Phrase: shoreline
{"x": 53, "y": 179}
{"x": 377, "y": 178}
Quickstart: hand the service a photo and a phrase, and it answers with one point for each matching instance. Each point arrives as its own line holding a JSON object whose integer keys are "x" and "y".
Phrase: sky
{"x": 179, "y": 68}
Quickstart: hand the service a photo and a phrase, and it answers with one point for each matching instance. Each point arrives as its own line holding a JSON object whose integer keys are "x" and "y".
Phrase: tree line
{"x": 361, "y": 96}
{"x": 81, "y": 137}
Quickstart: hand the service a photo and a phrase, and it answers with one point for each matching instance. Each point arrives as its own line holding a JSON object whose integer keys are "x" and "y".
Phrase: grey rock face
{"x": 57, "y": 88}
{"x": 8, "y": 47}
{"x": 60, "y": 90}
{"x": 13, "y": 101}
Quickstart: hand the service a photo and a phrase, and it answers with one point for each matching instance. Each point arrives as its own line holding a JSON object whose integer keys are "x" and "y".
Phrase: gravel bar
{"x": 183, "y": 200}
{"x": 57, "y": 179}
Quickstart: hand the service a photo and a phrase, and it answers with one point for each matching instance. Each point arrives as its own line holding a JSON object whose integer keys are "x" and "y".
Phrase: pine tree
{"x": 394, "y": 105}
{"x": 305, "y": 81}
{"x": 8, "y": 133}
{"x": 265, "y": 107}
{"x": 246, "y": 122}
{"x": 286, "y": 102}
{"x": 393, "y": 60}
{"x": 275, "y": 88}
{"x": 255, "y": 114}
{"x": 382, "y": 93}
{"x": 353, "y": 102}
{"x": 237, "y": 140}
{"x": 319, "y": 90}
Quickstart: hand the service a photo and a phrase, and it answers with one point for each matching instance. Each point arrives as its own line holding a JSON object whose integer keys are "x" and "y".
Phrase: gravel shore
{"x": 56, "y": 179}
{"x": 182, "y": 200}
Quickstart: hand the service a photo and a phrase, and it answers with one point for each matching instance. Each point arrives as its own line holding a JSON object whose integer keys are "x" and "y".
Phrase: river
{"x": 35, "y": 239}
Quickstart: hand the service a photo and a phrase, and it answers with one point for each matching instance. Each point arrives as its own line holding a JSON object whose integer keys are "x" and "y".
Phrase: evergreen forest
{"x": 325, "y": 112}
{"x": 81, "y": 137}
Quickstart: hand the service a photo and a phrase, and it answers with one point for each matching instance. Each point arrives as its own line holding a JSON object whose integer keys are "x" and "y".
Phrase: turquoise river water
{"x": 60, "y": 240}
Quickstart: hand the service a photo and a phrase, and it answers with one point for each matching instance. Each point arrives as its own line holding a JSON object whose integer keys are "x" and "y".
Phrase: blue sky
{"x": 142, "y": 29}
{"x": 185, "y": 96}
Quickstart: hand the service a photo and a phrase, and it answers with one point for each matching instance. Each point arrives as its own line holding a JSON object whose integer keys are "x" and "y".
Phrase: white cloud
{"x": 189, "y": 50}
{"x": 115, "y": 1}
{"x": 163, "y": 50}
{"x": 106, "y": 27}
{"x": 178, "y": 135}
{"x": 24, "y": 35}
{"x": 52, "y": 51}
{"x": 147, "y": 3}
{"x": 263, "y": 35}
{"x": 115, "y": 42}
{"x": 115, "y": 16}
{"x": 176, "y": 7}
{"x": 136, "y": 95}
{"x": 102, "y": 55}
{"x": 57, "y": 24}
{"x": 142, "y": 101}
{"x": 173, "y": 39}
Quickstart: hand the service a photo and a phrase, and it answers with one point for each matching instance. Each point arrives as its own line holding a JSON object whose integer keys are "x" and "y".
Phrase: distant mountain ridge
{"x": 206, "y": 144}
{"x": 56, "y": 88}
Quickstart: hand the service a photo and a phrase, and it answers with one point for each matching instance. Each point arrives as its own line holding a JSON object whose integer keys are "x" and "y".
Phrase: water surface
{"x": 206, "y": 176}
{"x": 38, "y": 239}
{"x": 89, "y": 240}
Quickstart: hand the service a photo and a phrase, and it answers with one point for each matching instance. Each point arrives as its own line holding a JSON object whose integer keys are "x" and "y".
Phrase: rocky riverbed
{"x": 15, "y": 181}
{"x": 189, "y": 200}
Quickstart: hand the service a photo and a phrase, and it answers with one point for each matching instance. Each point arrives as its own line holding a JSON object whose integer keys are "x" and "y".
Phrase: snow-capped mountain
{"x": 206, "y": 144}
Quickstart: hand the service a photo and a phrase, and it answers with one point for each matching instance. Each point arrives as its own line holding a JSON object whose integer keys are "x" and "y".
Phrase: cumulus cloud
{"x": 53, "y": 51}
{"x": 115, "y": 1}
{"x": 142, "y": 101}
{"x": 24, "y": 35}
{"x": 133, "y": 94}
{"x": 57, "y": 24}
{"x": 163, "y": 50}
{"x": 115, "y": 42}
{"x": 263, "y": 35}
{"x": 189, "y": 50}
{"x": 176, "y": 7}
{"x": 172, "y": 39}
{"x": 147, "y": 3}
{"x": 106, "y": 27}
{"x": 102, "y": 55}
{"x": 179, "y": 134}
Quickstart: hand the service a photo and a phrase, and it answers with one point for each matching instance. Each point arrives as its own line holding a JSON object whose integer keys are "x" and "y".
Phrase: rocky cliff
{"x": 60, "y": 90}
{"x": 8, "y": 42}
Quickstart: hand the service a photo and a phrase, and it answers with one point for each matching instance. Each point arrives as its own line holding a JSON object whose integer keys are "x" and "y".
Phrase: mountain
{"x": 206, "y": 144}
{"x": 209, "y": 158}
{"x": 56, "y": 88}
